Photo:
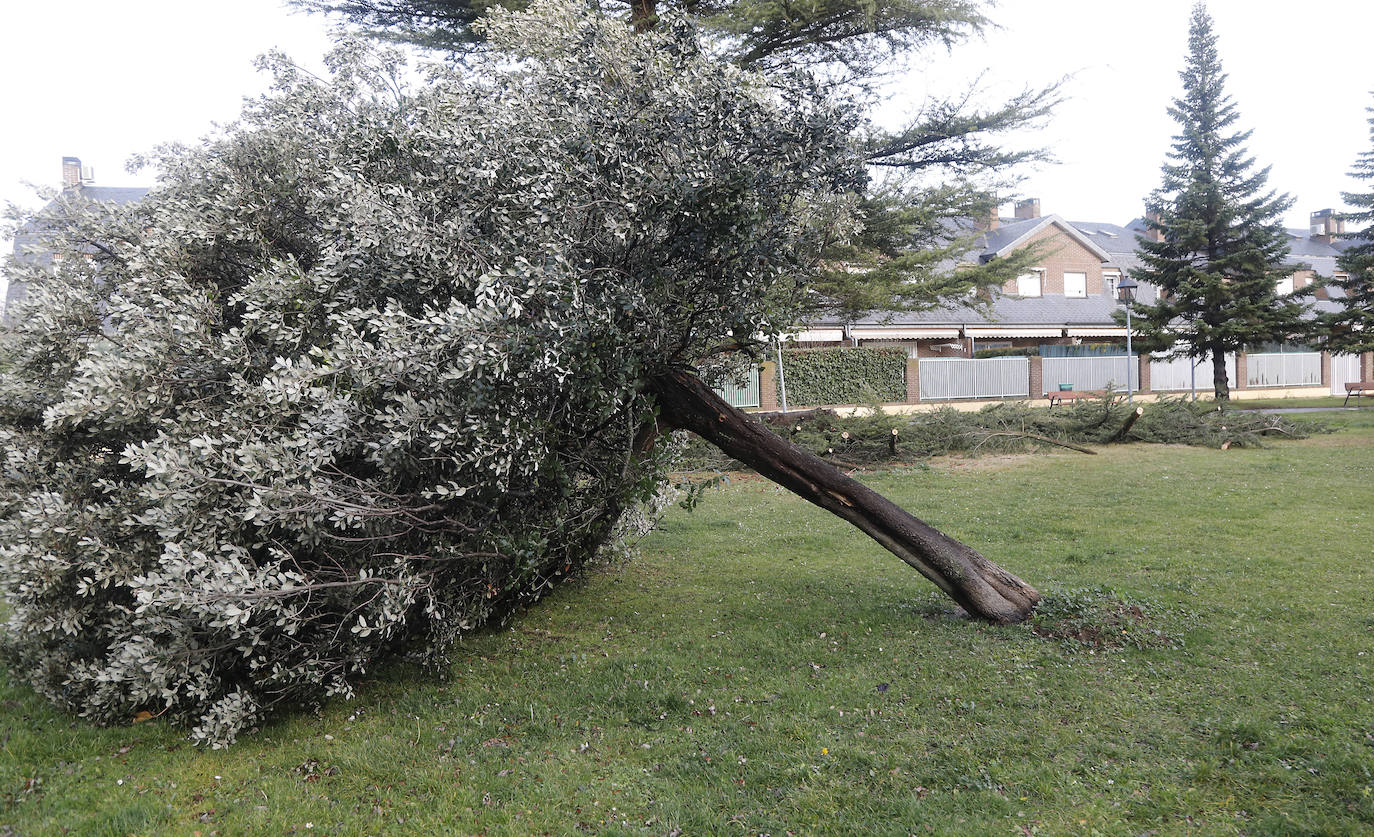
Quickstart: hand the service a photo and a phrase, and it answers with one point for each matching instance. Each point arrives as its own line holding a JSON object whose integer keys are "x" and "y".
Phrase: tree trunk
{"x": 981, "y": 587}
{"x": 1127, "y": 425}
{"x": 643, "y": 14}
{"x": 1220, "y": 386}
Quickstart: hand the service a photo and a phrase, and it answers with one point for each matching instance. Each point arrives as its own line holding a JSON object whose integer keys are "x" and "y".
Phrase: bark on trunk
{"x": 1221, "y": 387}
{"x": 643, "y": 14}
{"x": 981, "y": 587}
{"x": 1130, "y": 422}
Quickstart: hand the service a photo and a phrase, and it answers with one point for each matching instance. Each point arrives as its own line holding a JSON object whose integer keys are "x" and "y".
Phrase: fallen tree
{"x": 977, "y": 584}
{"x": 374, "y": 365}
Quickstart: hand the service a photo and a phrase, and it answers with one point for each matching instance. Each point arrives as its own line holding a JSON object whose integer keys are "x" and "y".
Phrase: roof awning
{"x": 1104, "y": 331}
{"x": 1014, "y": 332}
{"x": 880, "y": 333}
{"x": 818, "y": 335}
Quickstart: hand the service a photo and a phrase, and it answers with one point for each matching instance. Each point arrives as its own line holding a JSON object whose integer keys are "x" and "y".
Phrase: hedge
{"x": 844, "y": 375}
{"x": 1025, "y": 351}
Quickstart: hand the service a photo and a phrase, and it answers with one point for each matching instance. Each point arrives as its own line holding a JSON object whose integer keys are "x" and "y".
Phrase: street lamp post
{"x": 1125, "y": 290}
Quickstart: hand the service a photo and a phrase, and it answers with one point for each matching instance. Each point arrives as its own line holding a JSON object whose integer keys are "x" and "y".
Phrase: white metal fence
{"x": 1178, "y": 374}
{"x": 1344, "y": 369}
{"x": 742, "y": 393}
{"x": 994, "y": 377}
{"x": 1297, "y": 369}
{"x": 1087, "y": 373}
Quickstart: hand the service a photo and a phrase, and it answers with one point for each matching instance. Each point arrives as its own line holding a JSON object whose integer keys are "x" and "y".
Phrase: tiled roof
{"x": 30, "y": 234}
{"x": 114, "y": 194}
{"x": 1006, "y": 233}
{"x": 28, "y": 241}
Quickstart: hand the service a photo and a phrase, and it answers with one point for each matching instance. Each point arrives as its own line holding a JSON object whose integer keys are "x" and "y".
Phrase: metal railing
{"x": 1180, "y": 373}
{"x": 994, "y": 377}
{"x": 1087, "y": 373}
{"x": 1286, "y": 369}
{"x": 742, "y": 393}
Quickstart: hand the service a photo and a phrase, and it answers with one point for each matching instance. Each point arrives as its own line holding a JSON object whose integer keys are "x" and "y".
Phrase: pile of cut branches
{"x": 872, "y": 437}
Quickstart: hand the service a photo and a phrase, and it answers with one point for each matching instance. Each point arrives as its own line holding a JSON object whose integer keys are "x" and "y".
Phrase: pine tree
{"x": 1223, "y": 244}
{"x": 1352, "y": 329}
{"x": 758, "y": 34}
{"x": 899, "y": 260}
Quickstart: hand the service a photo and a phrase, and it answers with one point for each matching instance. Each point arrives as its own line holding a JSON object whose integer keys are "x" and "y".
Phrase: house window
{"x": 1110, "y": 279}
{"x": 1285, "y": 286}
{"x": 1029, "y": 284}
{"x": 1076, "y": 284}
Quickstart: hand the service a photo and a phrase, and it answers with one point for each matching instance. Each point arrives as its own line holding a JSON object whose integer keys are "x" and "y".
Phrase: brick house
{"x": 1069, "y": 296}
{"x": 1063, "y": 309}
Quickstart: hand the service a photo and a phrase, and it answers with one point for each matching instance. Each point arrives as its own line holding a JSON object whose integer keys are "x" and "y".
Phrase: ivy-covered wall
{"x": 844, "y": 375}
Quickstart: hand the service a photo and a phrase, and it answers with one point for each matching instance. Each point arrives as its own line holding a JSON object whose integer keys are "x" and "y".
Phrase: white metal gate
{"x": 1344, "y": 369}
{"x": 742, "y": 393}
{"x": 1182, "y": 373}
{"x": 1088, "y": 373}
{"x": 1283, "y": 369}
{"x": 995, "y": 377}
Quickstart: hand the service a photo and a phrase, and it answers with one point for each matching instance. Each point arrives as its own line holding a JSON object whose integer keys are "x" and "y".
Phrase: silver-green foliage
{"x": 366, "y": 367}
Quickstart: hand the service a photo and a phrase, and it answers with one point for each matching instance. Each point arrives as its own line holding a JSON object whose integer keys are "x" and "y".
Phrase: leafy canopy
{"x": 752, "y": 33}
{"x": 366, "y": 368}
{"x": 943, "y": 163}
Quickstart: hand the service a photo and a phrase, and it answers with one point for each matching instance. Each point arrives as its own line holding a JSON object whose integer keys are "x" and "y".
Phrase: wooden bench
{"x": 1060, "y": 396}
{"x": 1358, "y": 389}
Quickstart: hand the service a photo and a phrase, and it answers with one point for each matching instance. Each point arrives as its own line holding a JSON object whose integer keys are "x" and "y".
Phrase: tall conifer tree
{"x": 1223, "y": 244}
{"x": 1352, "y": 329}
{"x": 944, "y": 163}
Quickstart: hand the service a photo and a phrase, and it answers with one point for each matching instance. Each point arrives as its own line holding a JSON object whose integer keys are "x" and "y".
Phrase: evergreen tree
{"x": 757, "y": 34}
{"x": 942, "y": 164}
{"x": 1352, "y": 329}
{"x": 1224, "y": 245}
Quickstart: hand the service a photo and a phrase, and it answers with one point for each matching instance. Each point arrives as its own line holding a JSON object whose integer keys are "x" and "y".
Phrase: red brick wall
{"x": 1037, "y": 377}
{"x": 768, "y": 387}
{"x": 1062, "y": 253}
{"x": 71, "y": 172}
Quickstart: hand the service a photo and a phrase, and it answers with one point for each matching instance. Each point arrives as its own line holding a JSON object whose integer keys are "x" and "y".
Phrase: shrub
{"x": 1025, "y": 351}
{"x": 844, "y": 375}
{"x": 367, "y": 369}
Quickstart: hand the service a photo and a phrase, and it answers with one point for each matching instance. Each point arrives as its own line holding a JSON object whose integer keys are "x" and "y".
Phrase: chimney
{"x": 1028, "y": 208}
{"x": 1150, "y": 232}
{"x": 71, "y": 172}
{"x": 1325, "y": 225}
{"x": 990, "y": 221}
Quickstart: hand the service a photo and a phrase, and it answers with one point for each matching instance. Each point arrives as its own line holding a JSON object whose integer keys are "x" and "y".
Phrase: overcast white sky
{"x": 102, "y": 80}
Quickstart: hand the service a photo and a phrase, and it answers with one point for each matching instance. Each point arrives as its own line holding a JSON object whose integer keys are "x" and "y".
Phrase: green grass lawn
{"x": 1322, "y": 401}
{"x": 765, "y": 669}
